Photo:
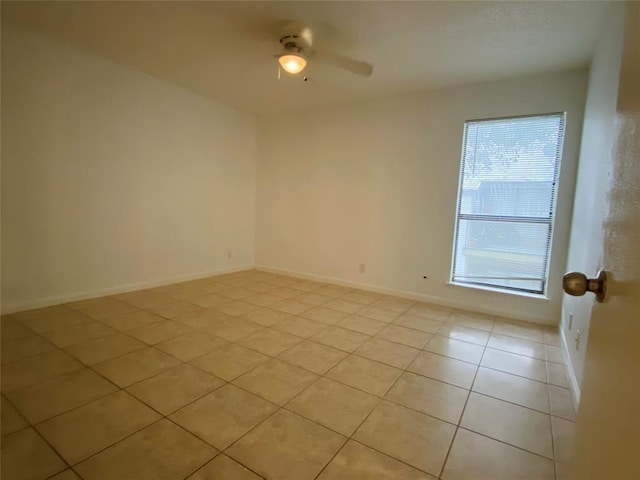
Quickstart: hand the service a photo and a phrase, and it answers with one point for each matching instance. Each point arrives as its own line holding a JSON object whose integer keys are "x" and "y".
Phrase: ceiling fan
{"x": 298, "y": 50}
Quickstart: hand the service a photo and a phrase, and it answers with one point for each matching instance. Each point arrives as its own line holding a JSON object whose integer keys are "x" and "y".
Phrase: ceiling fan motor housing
{"x": 291, "y": 43}
{"x": 298, "y": 46}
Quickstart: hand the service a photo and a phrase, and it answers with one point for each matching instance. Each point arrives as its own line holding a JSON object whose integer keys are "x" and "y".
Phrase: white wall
{"x": 596, "y": 153}
{"x": 112, "y": 178}
{"x": 377, "y": 184}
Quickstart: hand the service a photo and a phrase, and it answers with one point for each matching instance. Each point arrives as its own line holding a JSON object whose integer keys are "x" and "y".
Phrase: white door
{"x": 607, "y": 442}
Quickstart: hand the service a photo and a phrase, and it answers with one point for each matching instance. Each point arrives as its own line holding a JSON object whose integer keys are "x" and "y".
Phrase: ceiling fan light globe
{"x": 292, "y": 63}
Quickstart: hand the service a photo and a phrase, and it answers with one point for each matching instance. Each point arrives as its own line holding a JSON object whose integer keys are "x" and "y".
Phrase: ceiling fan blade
{"x": 307, "y": 35}
{"x": 358, "y": 67}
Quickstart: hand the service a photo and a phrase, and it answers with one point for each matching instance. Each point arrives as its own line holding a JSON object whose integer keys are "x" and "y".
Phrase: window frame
{"x": 542, "y": 293}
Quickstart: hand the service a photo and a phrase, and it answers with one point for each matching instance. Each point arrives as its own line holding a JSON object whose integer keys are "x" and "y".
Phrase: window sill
{"x": 535, "y": 296}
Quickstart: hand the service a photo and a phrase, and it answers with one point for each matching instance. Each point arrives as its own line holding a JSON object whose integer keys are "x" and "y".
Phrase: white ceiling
{"x": 224, "y": 50}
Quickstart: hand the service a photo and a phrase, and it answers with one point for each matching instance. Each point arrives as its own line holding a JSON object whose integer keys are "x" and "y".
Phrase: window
{"x": 506, "y": 202}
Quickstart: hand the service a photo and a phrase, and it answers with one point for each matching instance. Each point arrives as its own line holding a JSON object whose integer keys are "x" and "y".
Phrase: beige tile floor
{"x": 251, "y": 375}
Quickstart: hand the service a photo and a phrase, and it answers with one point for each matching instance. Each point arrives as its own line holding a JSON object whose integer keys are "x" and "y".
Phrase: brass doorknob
{"x": 577, "y": 284}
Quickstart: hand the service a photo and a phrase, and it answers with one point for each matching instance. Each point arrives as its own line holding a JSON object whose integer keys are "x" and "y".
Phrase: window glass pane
{"x": 509, "y": 166}
{"x": 492, "y": 253}
{"x": 520, "y": 199}
{"x": 506, "y": 201}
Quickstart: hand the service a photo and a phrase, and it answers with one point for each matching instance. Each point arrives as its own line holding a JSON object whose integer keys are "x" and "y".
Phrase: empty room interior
{"x": 320, "y": 240}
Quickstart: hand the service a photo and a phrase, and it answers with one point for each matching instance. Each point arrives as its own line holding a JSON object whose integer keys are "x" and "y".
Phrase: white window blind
{"x": 506, "y": 202}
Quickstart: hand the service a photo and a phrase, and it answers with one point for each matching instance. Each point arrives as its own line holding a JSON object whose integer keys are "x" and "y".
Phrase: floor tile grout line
{"x": 101, "y": 398}
{"x": 85, "y": 366}
{"x": 509, "y": 402}
{"x": 42, "y": 437}
{"x": 522, "y": 355}
{"x": 348, "y": 353}
{"x": 183, "y": 362}
{"x": 309, "y": 290}
{"x": 216, "y": 456}
{"x": 521, "y": 376}
{"x": 118, "y": 388}
{"x": 126, "y": 390}
{"x": 553, "y": 459}
{"x": 56, "y": 347}
{"x": 350, "y": 437}
{"x": 176, "y": 320}
{"x": 472, "y": 343}
{"x": 278, "y": 408}
{"x": 218, "y": 450}
{"x": 59, "y": 414}
{"x": 224, "y": 383}
{"x": 455, "y": 433}
{"x": 131, "y": 434}
{"x": 162, "y": 417}
{"x": 360, "y": 424}
{"x": 92, "y": 367}
{"x": 355, "y": 352}
{"x": 548, "y": 394}
{"x": 77, "y": 473}
{"x": 509, "y": 444}
{"x": 50, "y": 477}
{"x": 284, "y": 407}
{"x": 64, "y": 349}
{"x": 553, "y": 442}
{"x": 300, "y": 340}
{"x": 381, "y": 398}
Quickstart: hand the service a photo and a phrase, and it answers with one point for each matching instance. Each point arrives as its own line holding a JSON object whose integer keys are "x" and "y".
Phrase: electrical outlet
{"x": 570, "y": 321}
{"x": 229, "y": 254}
{"x": 577, "y": 339}
{"x": 363, "y": 268}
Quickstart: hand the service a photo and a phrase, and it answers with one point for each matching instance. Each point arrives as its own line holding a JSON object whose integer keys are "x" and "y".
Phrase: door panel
{"x": 593, "y": 183}
{"x": 607, "y": 444}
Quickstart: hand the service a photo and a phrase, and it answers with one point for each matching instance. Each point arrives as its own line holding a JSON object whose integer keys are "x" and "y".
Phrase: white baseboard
{"x": 398, "y": 293}
{"x": 574, "y": 386}
{"x": 73, "y": 297}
